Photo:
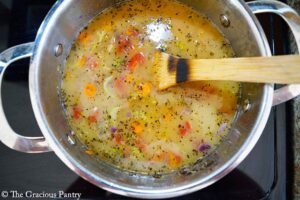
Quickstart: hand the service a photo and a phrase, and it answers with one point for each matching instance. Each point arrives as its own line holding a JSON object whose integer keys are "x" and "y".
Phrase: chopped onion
{"x": 204, "y": 147}
{"x": 95, "y": 109}
{"x": 113, "y": 129}
{"x": 186, "y": 111}
{"x": 107, "y": 88}
{"x": 111, "y": 44}
{"x": 100, "y": 35}
{"x": 114, "y": 112}
{"x": 104, "y": 135}
{"x": 222, "y": 128}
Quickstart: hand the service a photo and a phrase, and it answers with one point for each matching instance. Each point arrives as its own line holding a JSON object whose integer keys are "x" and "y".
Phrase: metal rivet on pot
{"x": 225, "y": 20}
{"x": 71, "y": 139}
{"x": 246, "y": 105}
{"x": 58, "y": 50}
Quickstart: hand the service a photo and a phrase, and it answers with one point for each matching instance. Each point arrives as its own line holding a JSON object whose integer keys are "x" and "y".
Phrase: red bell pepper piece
{"x": 138, "y": 58}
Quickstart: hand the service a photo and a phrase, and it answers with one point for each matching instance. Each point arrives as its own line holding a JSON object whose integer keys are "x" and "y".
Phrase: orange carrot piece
{"x": 119, "y": 84}
{"x": 158, "y": 157}
{"x": 139, "y": 143}
{"x": 174, "y": 160}
{"x": 184, "y": 130}
{"x": 90, "y": 90}
{"x": 146, "y": 89}
{"x": 188, "y": 125}
{"x": 82, "y": 61}
{"x": 117, "y": 138}
{"x": 92, "y": 63}
{"x": 83, "y": 37}
{"x": 121, "y": 87}
{"x": 124, "y": 44}
{"x": 133, "y": 32}
{"x": 93, "y": 118}
{"x": 76, "y": 112}
{"x": 137, "y": 127}
{"x": 90, "y": 152}
{"x": 168, "y": 117}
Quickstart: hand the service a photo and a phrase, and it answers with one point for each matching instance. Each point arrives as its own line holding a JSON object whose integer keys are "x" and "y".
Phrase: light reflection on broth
{"x": 110, "y": 91}
{"x": 159, "y": 32}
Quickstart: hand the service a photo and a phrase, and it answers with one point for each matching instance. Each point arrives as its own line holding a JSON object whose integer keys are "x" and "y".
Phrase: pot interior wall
{"x": 63, "y": 27}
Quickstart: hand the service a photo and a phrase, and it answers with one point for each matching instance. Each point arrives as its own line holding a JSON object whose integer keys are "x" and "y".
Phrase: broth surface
{"x": 110, "y": 92}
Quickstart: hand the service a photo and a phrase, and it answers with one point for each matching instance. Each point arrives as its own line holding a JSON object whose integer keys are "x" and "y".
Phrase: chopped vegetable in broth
{"x": 110, "y": 91}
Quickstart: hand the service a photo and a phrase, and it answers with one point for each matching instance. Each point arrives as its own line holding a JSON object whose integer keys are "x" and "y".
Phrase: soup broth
{"x": 110, "y": 93}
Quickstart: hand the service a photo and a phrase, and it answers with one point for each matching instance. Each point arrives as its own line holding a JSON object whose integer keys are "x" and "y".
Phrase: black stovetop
{"x": 264, "y": 174}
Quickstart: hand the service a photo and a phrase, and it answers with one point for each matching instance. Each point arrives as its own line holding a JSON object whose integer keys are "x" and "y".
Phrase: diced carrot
{"x": 76, "y": 112}
{"x": 137, "y": 127}
{"x": 168, "y": 117}
{"x": 146, "y": 89}
{"x": 133, "y": 32}
{"x": 119, "y": 84}
{"x": 121, "y": 87}
{"x": 138, "y": 58}
{"x": 117, "y": 138}
{"x": 84, "y": 37}
{"x": 174, "y": 160}
{"x": 139, "y": 143}
{"x": 82, "y": 61}
{"x": 184, "y": 130}
{"x": 158, "y": 157}
{"x": 92, "y": 63}
{"x": 93, "y": 118}
{"x": 90, "y": 152}
{"x": 90, "y": 90}
{"x": 124, "y": 44}
{"x": 187, "y": 125}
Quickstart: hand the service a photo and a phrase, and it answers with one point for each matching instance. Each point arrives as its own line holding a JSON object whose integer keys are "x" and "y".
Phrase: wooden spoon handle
{"x": 276, "y": 69}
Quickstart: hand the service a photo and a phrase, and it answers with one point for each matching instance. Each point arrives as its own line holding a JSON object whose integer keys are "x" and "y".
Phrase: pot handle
{"x": 292, "y": 18}
{"x": 7, "y": 135}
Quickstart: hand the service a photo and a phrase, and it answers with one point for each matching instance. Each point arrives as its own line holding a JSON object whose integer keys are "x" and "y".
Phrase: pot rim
{"x": 121, "y": 189}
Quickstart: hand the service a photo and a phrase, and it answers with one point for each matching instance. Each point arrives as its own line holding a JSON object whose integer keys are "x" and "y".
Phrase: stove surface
{"x": 262, "y": 175}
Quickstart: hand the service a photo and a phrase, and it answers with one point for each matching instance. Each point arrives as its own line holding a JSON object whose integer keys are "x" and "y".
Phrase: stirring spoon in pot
{"x": 276, "y": 69}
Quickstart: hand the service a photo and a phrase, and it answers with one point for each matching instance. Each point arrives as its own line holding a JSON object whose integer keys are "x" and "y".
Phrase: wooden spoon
{"x": 276, "y": 69}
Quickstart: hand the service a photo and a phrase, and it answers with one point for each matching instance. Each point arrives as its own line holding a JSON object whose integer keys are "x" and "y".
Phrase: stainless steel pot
{"x": 48, "y": 53}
